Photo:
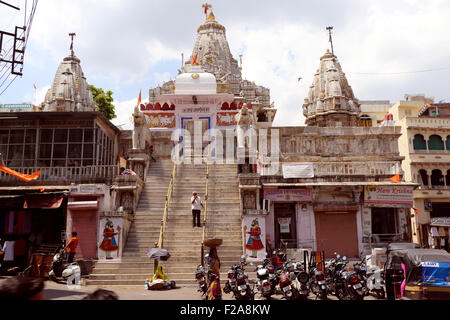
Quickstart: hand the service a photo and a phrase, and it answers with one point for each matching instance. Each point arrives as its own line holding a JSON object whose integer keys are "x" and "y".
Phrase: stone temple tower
{"x": 212, "y": 52}
{"x": 331, "y": 102}
{"x": 69, "y": 91}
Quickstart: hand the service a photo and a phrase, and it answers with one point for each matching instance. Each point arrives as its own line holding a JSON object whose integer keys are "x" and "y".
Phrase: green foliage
{"x": 104, "y": 101}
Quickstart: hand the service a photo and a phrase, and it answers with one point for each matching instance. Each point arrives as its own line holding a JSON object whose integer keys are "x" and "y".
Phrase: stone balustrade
{"x": 65, "y": 175}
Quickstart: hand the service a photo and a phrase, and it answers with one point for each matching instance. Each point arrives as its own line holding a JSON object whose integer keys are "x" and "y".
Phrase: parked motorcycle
{"x": 344, "y": 284}
{"x": 373, "y": 278}
{"x": 200, "y": 276}
{"x": 62, "y": 271}
{"x": 318, "y": 283}
{"x": 266, "y": 281}
{"x": 238, "y": 282}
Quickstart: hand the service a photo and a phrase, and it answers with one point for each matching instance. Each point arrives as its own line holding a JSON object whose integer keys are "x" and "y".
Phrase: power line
{"x": 401, "y": 72}
{"x": 9, "y": 84}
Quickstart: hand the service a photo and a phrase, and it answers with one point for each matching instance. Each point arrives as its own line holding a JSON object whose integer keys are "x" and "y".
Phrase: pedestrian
{"x": 101, "y": 294}
{"x": 151, "y": 150}
{"x": 22, "y": 288}
{"x": 71, "y": 247}
{"x": 197, "y": 205}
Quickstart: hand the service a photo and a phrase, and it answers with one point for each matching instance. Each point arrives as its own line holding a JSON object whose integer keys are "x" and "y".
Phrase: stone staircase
{"x": 223, "y": 222}
{"x": 181, "y": 240}
{"x": 135, "y": 266}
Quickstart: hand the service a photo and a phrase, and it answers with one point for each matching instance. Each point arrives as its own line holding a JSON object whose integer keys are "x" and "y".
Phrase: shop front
{"x": 30, "y": 223}
{"x": 289, "y": 223}
{"x": 386, "y": 215}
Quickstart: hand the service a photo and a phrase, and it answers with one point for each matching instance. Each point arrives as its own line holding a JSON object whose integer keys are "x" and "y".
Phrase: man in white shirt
{"x": 197, "y": 205}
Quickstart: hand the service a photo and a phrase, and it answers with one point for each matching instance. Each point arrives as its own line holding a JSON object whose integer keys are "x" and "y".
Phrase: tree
{"x": 104, "y": 101}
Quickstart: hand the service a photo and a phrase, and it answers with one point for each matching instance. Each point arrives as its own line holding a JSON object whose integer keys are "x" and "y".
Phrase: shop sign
{"x": 298, "y": 170}
{"x": 288, "y": 194}
{"x": 441, "y": 221}
{"x": 196, "y": 110}
{"x": 386, "y": 196}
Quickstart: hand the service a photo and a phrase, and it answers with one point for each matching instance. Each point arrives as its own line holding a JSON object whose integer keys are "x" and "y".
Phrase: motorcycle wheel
{"x": 323, "y": 296}
{"x": 380, "y": 293}
{"x": 340, "y": 294}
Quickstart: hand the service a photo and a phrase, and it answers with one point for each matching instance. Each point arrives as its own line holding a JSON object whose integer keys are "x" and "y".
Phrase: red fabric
{"x": 72, "y": 245}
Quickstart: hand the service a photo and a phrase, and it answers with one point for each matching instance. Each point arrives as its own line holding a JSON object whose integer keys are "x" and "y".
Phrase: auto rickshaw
{"x": 426, "y": 273}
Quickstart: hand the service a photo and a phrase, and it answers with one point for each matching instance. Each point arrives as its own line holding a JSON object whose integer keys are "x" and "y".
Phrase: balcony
{"x": 63, "y": 175}
{"x": 427, "y": 122}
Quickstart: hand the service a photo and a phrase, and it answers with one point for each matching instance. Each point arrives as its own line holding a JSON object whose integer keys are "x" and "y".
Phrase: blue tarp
{"x": 436, "y": 273}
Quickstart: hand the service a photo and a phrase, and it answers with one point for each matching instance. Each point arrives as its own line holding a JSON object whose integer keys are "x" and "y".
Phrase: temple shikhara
{"x": 336, "y": 184}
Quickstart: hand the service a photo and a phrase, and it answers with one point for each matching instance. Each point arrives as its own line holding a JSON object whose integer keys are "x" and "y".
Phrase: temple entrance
{"x": 285, "y": 225}
{"x": 194, "y": 146}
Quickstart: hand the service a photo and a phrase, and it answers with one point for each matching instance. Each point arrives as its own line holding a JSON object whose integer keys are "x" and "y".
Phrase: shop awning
{"x": 83, "y": 205}
{"x": 44, "y": 201}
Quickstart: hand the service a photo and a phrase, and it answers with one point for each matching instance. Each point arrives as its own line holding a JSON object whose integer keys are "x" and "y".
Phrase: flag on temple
{"x": 416, "y": 210}
{"x": 139, "y": 100}
{"x": 24, "y": 177}
{"x": 34, "y": 86}
{"x": 395, "y": 179}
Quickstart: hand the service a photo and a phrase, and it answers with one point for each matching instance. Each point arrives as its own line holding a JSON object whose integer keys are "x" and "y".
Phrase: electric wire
{"x": 401, "y": 72}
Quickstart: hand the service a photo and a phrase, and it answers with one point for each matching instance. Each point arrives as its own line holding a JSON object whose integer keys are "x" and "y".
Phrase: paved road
{"x": 54, "y": 291}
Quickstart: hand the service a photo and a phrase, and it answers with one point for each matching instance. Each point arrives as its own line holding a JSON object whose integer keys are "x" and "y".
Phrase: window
{"x": 419, "y": 142}
{"x": 424, "y": 177}
{"x": 437, "y": 179}
{"x": 384, "y": 221}
{"x": 447, "y": 143}
{"x": 435, "y": 143}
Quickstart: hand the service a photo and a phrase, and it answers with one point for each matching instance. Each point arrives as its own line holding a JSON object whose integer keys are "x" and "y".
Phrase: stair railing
{"x": 159, "y": 244}
{"x": 205, "y": 216}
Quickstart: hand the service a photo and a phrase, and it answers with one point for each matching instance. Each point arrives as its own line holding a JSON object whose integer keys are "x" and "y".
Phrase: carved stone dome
{"x": 330, "y": 101}
{"x": 69, "y": 90}
{"x": 196, "y": 81}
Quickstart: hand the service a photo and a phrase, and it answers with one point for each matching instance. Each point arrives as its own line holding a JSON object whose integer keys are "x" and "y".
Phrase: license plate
{"x": 321, "y": 283}
{"x": 357, "y": 286}
{"x": 243, "y": 287}
{"x": 286, "y": 288}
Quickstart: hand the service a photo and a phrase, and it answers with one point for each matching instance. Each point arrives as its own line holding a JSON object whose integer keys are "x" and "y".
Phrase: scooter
{"x": 68, "y": 272}
{"x": 373, "y": 277}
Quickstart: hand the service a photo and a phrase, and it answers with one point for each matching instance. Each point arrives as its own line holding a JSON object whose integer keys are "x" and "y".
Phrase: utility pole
{"x": 331, "y": 39}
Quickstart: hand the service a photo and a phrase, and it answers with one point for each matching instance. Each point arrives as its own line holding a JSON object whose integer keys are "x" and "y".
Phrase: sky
{"x": 386, "y": 48}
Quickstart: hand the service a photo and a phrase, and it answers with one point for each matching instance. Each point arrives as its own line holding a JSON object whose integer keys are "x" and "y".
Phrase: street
{"x": 58, "y": 291}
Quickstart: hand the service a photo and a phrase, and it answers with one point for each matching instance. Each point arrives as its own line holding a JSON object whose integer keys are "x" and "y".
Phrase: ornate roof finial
{"x": 331, "y": 39}
{"x": 206, "y": 6}
{"x": 71, "y": 44}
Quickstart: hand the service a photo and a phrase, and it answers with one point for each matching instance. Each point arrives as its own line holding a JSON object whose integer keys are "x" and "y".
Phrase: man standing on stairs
{"x": 197, "y": 205}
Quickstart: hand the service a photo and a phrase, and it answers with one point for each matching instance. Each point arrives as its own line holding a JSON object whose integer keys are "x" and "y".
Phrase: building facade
{"x": 423, "y": 143}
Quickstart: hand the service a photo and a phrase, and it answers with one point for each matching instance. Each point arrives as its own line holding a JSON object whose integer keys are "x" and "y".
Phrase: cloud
{"x": 124, "y": 110}
{"x": 124, "y": 45}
